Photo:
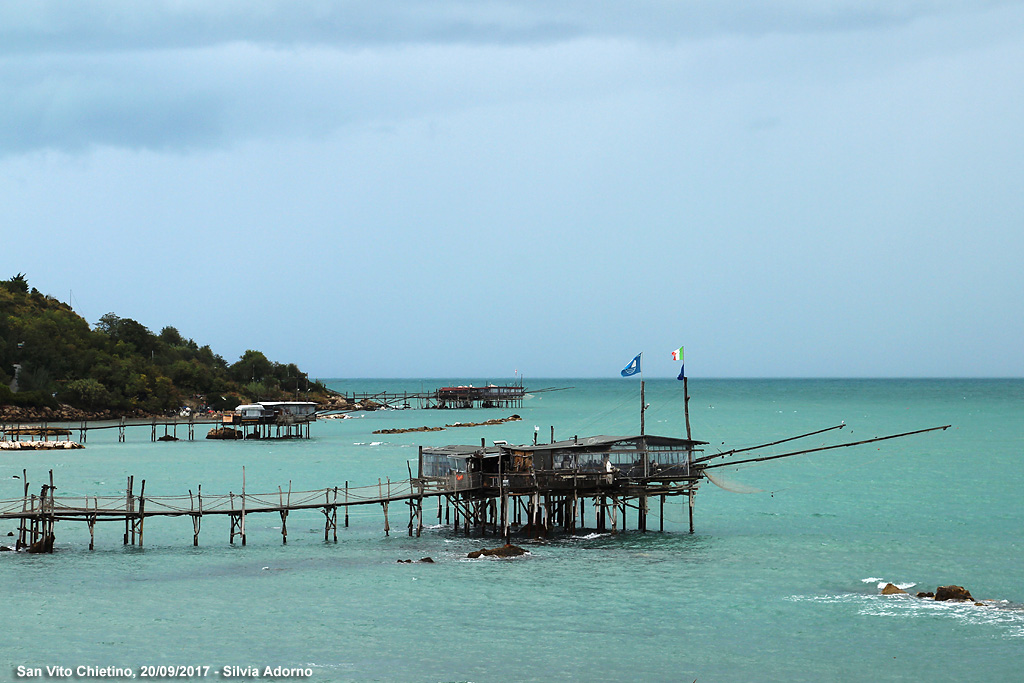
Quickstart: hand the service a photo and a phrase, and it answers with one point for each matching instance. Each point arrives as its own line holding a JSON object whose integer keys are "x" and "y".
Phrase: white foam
{"x": 882, "y": 583}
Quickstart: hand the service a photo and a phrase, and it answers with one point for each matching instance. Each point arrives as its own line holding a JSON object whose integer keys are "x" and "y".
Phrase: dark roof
{"x": 604, "y": 440}
{"x": 462, "y": 451}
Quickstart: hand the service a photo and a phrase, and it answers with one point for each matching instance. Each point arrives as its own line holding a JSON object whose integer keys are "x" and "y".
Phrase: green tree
{"x": 253, "y": 366}
{"x": 85, "y": 393}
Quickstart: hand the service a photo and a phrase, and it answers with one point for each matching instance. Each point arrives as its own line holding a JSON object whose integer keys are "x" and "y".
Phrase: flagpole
{"x": 643, "y": 405}
{"x": 686, "y": 407}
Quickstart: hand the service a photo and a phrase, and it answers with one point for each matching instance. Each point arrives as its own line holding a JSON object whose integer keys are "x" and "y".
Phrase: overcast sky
{"x": 466, "y": 189}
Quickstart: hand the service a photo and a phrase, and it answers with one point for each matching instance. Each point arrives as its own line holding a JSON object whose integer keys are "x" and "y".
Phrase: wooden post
{"x": 346, "y": 504}
{"x": 419, "y": 513}
{"x": 505, "y": 529}
{"x": 691, "y": 509}
{"x": 284, "y": 512}
{"x": 547, "y": 514}
{"x": 643, "y": 407}
{"x": 412, "y": 508}
{"x": 661, "y": 516}
{"x": 142, "y": 510}
{"x": 196, "y": 516}
{"x": 243, "y": 506}
{"x": 127, "y": 513}
{"x": 92, "y": 521}
{"x": 330, "y": 514}
{"x": 24, "y": 506}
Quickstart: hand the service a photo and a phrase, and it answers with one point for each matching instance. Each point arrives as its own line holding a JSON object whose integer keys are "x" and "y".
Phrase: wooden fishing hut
{"x": 267, "y": 419}
{"x": 540, "y": 487}
{"x": 490, "y": 396}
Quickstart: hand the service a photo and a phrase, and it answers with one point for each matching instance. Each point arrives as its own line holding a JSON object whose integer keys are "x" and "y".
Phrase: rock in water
{"x": 508, "y": 550}
{"x": 953, "y": 593}
{"x": 890, "y": 589}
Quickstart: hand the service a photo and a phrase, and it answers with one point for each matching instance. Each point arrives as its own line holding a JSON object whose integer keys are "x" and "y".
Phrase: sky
{"x": 444, "y": 188}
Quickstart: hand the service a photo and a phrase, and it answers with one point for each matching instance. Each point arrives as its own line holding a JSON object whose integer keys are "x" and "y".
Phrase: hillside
{"x": 119, "y": 367}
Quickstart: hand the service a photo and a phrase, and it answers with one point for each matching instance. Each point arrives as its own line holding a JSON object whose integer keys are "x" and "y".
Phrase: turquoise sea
{"x": 776, "y": 585}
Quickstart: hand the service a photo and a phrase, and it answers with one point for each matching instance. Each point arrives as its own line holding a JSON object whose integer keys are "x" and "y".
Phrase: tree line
{"x": 52, "y": 356}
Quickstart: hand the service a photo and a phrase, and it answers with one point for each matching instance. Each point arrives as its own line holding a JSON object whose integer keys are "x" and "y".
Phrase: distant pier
{"x": 265, "y": 420}
{"x": 461, "y": 396}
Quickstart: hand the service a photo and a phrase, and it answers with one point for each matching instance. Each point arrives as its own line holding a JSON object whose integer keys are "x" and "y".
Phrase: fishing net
{"x": 733, "y": 486}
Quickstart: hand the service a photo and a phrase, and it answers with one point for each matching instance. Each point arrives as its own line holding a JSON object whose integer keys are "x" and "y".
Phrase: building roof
{"x": 462, "y": 451}
{"x": 604, "y": 440}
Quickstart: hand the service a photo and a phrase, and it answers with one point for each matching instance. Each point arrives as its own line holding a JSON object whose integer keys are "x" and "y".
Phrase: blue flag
{"x": 682, "y": 372}
{"x": 633, "y": 367}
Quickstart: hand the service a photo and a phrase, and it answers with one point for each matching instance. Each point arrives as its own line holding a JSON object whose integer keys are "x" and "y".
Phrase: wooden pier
{"x": 265, "y": 427}
{"x": 471, "y": 496}
{"x": 530, "y": 490}
{"x": 465, "y": 396}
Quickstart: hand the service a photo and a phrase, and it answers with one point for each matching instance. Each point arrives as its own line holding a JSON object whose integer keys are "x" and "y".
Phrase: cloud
{"x": 183, "y": 75}
{"x": 55, "y": 26}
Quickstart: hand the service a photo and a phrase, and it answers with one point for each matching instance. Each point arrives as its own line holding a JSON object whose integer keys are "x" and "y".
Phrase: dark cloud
{"x": 57, "y": 26}
{"x": 180, "y": 75}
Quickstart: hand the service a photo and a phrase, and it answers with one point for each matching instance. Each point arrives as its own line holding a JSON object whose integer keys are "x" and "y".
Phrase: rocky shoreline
{"x": 65, "y": 413}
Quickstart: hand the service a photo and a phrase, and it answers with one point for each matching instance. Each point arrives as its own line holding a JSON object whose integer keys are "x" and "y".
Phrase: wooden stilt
{"x": 691, "y": 509}
{"x": 142, "y": 510}
{"x": 197, "y": 515}
{"x": 334, "y": 514}
{"x": 284, "y": 512}
{"x": 92, "y": 522}
{"x": 234, "y": 518}
{"x": 128, "y": 511}
{"x": 242, "y": 521}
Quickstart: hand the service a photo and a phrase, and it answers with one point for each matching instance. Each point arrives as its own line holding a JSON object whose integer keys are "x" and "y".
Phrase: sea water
{"x": 782, "y": 583}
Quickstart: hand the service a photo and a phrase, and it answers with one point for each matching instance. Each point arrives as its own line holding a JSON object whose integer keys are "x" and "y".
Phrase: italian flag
{"x": 678, "y": 354}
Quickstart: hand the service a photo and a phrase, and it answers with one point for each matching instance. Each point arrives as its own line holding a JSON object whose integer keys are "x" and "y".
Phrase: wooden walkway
{"x": 38, "y": 514}
{"x": 470, "y": 502}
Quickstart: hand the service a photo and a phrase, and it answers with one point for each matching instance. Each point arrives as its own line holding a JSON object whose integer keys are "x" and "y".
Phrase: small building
{"x": 490, "y": 396}
{"x": 266, "y": 416}
{"x": 458, "y": 468}
{"x": 589, "y": 464}
{"x": 297, "y": 410}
